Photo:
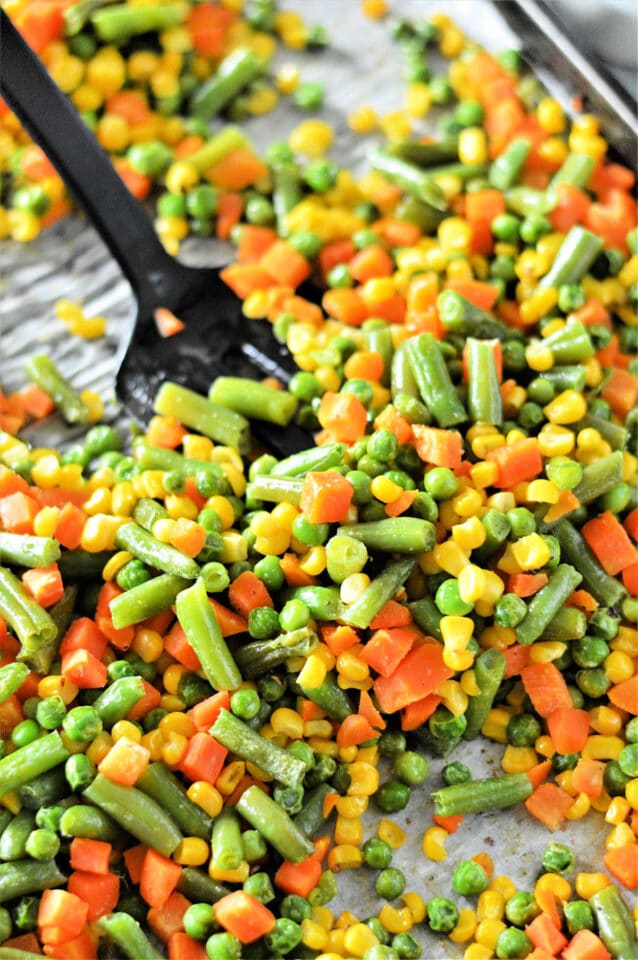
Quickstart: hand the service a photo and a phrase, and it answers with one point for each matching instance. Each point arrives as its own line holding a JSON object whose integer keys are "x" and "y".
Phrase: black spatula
{"x": 217, "y": 338}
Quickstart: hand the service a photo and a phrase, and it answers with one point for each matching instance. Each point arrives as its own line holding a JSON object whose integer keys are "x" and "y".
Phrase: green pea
{"x": 578, "y": 916}
{"x": 25, "y": 732}
{"x": 440, "y": 483}
{"x": 505, "y": 227}
{"x": 383, "y": 445}
{"x": 345, "y": 556}
{"x": 310, "y": 534}
{"x": 469, "y": 113}
{"x": 411, "y": 768}
{"x": 79, "y": 771}
{"x": 377, "y": 853}
{"x": 564, "y": 761}
{"x": 259, "y": 210}
{"x": 533, "y": 227}
{"x": 392, "y": 796}
{"x": 42, "y": 844}
{"x": 215, "y": 576}
{"x": 523, "y": 730}
{"x": 171, "y": 204}
{"x": 82, "y": 723}
{"x": 631, "y": 730}
{"x": 521, "y": 908}
{"x": 469, "y": 878}
{"x": 263, "y": 623}
{"x": 309, "y": 96}
{"x": 509, "y": 610}
{"x": 381, "y": 951}
{"x": 269, "y": 571}
{"x": 325, "y": 891}
{"x": 132, "y": 574}
{"x": 223, "y": 946}
{"x": 49, "y": 817}
{"x": 305, "y": 242}
{"x": 541, "y": 391}
{"x": 513, "y": 943}
{"x": 406, "y": 946}
{"x": 199, "y": 921}
{"x": 339, "y": 276}
{"x": 455, "y": 772}
{"x": 443, "y": 914}
{"x": 296, "y": 908}
{"x": 522, "y": 522}
{"x": 151, "y": 158}
{"x": 448, "y": 599}
{"x": 259, "y": 886}
{"x": 558, "y": 858}
{"x": 378, "y": 930}
{"x": 245, "y": 703}
{"x": 615, "y": 779}
{"x": 201, "y": 201}
{"x": 589, "y": 651}
{"x": 390, "y": 883}
{"x": 50, "y": 712}
{"x": 361, "y": 484}
{"x": 32, "y": 199}
{"x": 321, "y": 175}
{"x": 503, "y": 268}
{"x": 565, "y": 473}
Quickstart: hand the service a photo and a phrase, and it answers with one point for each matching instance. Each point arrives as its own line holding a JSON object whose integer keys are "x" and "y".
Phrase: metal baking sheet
{"x": 361, "y": 66}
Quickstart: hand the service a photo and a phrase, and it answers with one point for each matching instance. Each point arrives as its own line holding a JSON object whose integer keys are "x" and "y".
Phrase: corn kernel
{"x": 550, "y": 116}
{"x": 192, "y": 852}
{"x": 124, "y": 728}
{"x": 456, "y": 631}
{"x": 598, "y": 747}
{"x": 579, "y": 808}
{"x": 555, "y": 884}
{"x": 518, "y": 759}
{"x": 490, "y": 905}
{"x": 434, "y": 844}
{"x": 395, "y": 920}
{"x": 313, "y": 935}
{"x": 495, "y": 724}
{"x": 618, "y": 810}
{"x": 472, "y": 147}
{"x": 618, "y": 666}
{"x": 416, "y": 905}
{"x": 394, "y": 835}
{"x": 488, "y": 931}
{"x": 620, "y": 836}
{"x": 344, "y": 856}
{"x": 364, "y": 779}
{"x": 206, "y": 796}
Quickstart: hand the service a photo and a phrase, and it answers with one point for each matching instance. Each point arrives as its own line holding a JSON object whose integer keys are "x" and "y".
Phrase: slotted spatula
{"x": 217, "y": 338}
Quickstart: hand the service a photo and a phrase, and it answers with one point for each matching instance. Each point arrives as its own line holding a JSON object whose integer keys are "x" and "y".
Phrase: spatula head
{"x": 217, "y": 340}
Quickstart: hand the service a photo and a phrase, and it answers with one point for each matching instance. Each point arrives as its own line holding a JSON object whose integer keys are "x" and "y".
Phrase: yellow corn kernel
{"x": 314, "y": 561}
{"x": 11, "y": 802}
{"x": 539, "y": 305}
{"x": 518, "y": 759}
{"x": 568, "y": 407}
{"x": 46, "y": 472}
{"x": 395, "y": 920}
{"x": 579, "y": 808}
{"x": 451, "y": 42}
{"x": 192, "y": 852}
{"x": 555, "y": 441}
{"x": 351, "y": 807}
{"x": 471, "y": 582}
{"x": 618, "y": 666}
{"x": 472, "y": 146}
{"x": 99, "y": 747}
{"x": 458, "y": 660}
{"x": 555, "y": 884}
{"x": 364, "y": 779}
{"x": 350, "y": 666}
{"x": 389, "y": 831}
{"x": 180, "y": 507}
{"x": 587, "y": 884}
{"x": 348, "y": 830}
{"x": 631, "y": 793}
{"x": 470, "y": 534}
{"x": 596, "y": 147}
{"x": 469, "y": 683}
{"x": 172, "y": 677}
{"x": 175, "y": 745}
{"x": 353, "y": 586}
{"x": 465, "y": 926}
{"x": 453, "y": 697}
{"x": 468, "y": 502}
{"x": 313, "y": 935}
{"x": 488, "y": 931}
{"x": 497, "y": 636}
{"x": 417, "y": 100}
{"x": 542, "y": 491}
{"x": 531, "y": 552}
{"x": 45, "y": 521}
{"x": 620, "y": 836}
{"x": 598, "y": 747}
{"x": 317, "y": 728}
{"x": 377, "y": 290}
{"x": 124, "y": 728}
{"x": 288, "y": 722}
{"x": 455, "y": 235}
{"x": 224, "y": 510}
{"x": 434, "y": 844}
{"x": 626, "y": 640}
{"x": 450, "y": 557}
{"x": 503, "y": 885}
{"x": 240, "y": 875}
{"x": 495, "y": 724}
{"x": 358, "y": 939}
{"x": 177, "y": 722}
{"x": 153, "y": 741}
{"x": 618, "y": 810}
{"x": 230, "y": 776}
{"x": 344, "y": 856}
{"x": 313, "y": 673}
{"x": 550, "y": 116}
{"x": 57, "y": 686}
{"x": 476, "y": 951}
{"x": 490, "y": 905}
{"x": 206, "y": 796}
{"x": 363, "y": 120}
{"x": 235, "y": 547}
{"x": 416, "y": 906}
{"x": 148, "y": 644}
{"x": 546, "y": 651}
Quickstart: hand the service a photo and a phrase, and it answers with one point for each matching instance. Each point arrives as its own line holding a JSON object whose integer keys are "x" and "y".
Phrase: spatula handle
{"x": 54, "y": 123}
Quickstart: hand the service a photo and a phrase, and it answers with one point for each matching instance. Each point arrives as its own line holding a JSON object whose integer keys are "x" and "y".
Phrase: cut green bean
{"x": 310, "y": 818}
{"x": 615, "y": 923}
{"x": 475, "y": 796}
{"x": 324, "y": 603}
{"x": 263, "y": 656}
{"x": 253, "y": 400}
{"x": 568, "y": 624}
{"x": 330, "y": 697}
{"x": 12, "y": 676}
{"x": 23, "y": 877}
{"x": 136, "y": 812}
{"x": 274, "y": 824}
{"x": 394, "y": 535}
{"x": 234, "y": 73}
{"x": 315, "y": 460}
{"x": 146, "y": 600}
{"x": 78, "y": 14}
{"x": 379, "y": 339}
{"x": 287, "y": 193}
{"x": 162, "y": 556}
{"x": 196, "y": 412}
{"x": 82, "y": 820}
{"x": 202, "y": 630}
{"x": 147, "y": 512}
{"x": 164, "y": 787}
{"x": 30, "y": 622}
{"x": 118, "y": 699}
{"x": 23, "y": 550}
{"x": 402, "y": 379}
{"x": 433, "y": 380}
{"x": 149, "y": 457}
{"x": 199, "y": 888}
{"x": 14, "y": 837}
{"x": 545, "y": 604}
{"x": 30, "y": 761}
{"x": 606, "y": 589}
{"x": 489, "y": 669}
{"x": 44, "y": 373}
{"x": 570, "y": 344}
{"x": 458, "y": 315}
{"x": 82, "y": 565}
{"x": 362, "y": 612}
{"x": 507, "y": 168}
{"x": 117, "y": 24}
{"x": 275, "y": 489}
{"x": 43, "y": 791}
{"x": 226, "y": 846}
{"x": 599, "y": 477}
{"x": 483, "y": 392}
{"x": 427, "y": 615}
{"x": 566, "y": 377}
{"x": 576, "y": 170}
{"x": 228, "y": 139}
{"x": 527, "y": 200}
{"x": 425, "y": 154}
{"x": 408, "y": 177}
{"x": 128, "y": 935}
{"x": 577, "y": 252}
{"x": 238, "y": 737}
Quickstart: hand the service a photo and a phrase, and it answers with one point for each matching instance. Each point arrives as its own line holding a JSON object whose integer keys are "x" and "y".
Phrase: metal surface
{"x": 362, "y": 66}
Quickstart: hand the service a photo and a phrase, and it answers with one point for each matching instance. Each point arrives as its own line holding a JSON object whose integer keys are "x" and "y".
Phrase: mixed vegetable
{"x": 213, "y": 661}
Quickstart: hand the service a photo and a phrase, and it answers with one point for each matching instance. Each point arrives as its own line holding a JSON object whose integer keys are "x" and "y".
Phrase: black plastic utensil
{"x": 217, "y": 338}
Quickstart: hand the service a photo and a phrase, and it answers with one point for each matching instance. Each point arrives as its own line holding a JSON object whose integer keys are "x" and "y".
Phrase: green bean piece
{"x": 238, "y": 737}
{"x": 615, "y": 435}
{"x": 118, "y": 699}
{"x": 458, "y": 315}
{"x": 615, "y": 923}
{"x": 497, "y": 530}
{"x": 199, "y": 888}
{"x": 577, "y": 252}
{"x": 275, "y": 489}
{"x": 569, "y": 345}
{"x": 254, "y": 400}
{"x": 330, "y": 697}
{"x": 576, "y": 169}
{"x": 475, "y": 796}
{"x": 23, "y": 550}
{"x": 263, "y": 656}
{"x": 14, "y": 837}
{"x": 527, "y": 200}
{"x": 22, "y": 877}
{"x": 379, "y": 339}
{"x": 164, "y": 787}
{"x": 147, "y": 512}
{"x": 274, "y": 824}
{"x": 413, "y": 210}
{"x": 427, "y": 615}
{"x": 545, "y": 604}
{"x": 566, "y": 377}
{"x": 606, "y": 589}
{"x": 234, "y": 73}
{"x": 310, "y": 818}
{"x": 42, "y": 371}
{"x": 402, "y": 379}
{"x": 82, "y": 565}
{"x": 90, "y": 822}
{"x": 61, "y": 613}
{"x": 323, "y": 603}
{"x": 433, "y": 380}
{"x": 483, "y": 393}
{"x": 226, "y": 845}
{"x": 507, "y": 168}
{"x": 196, "y": 412}
{"x": 568, "y": 624}
{"x": 362, "y": 612}
{"x": 461, "y": 171}
{"x": 77, "y": 15}
{"x": 287, "y": 193}
{"x": 599, "y": 477}
{"x": 199, "y": 623}
{"x": 44, "y": 790}
{"x": 12, "y": 676}
{"x": 315, "y": 460}
{"x": 408, "y": 177}
{"x": 216, "y": 148}
{"x": 30, "y": 761}
{"x": 128, "y": 935}
{"x": 144, "y": 546}
{"x": 136, "y": 812}
{"x": 146, "y": 600}
{"x": 489, "y": 669}
{"x": 425, "y": 154}
{"x": 30, "y": 622}
{"x": 118, "y": 24}
{"x": 149, "y": 457}
{"x": 394, "y": 535}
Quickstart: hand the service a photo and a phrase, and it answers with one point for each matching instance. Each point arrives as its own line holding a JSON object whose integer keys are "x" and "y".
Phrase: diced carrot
{"x": 82, "y": 947}
{"x": 57, "y": 497}
{"x": 246, "y": 278}
{"x": 44, "y": 584}
{"x": 329, "y": 804}
{"x": 322, "y": 848}
{"x": 230, "y": 622}
{"x": 585, "y": 945}
{"x": 630, "y": 579}
{"x": 132, "y": 105}
{"x": 62, "y": 910}
{"x": 165, "y": 432}
{"x": 84, "y": 670}
{"x": 237, "y": 170}
{"x": 125, "y": 762}
{"x": 37, "y": 403}
{"x": 244, "y": 916}
{"x": 612, "y": 217}
{"x": 609, "y": 541}
{"x": 418, "y": 674}
{"x": 451, "y": 824}
{"x": 299, "y": 878}
{"x": 160, "y": 875}
{"x": 247, "y": 592}
{"x": 254, "y": 242}
{"x": 205, "y": 713}
{"x": 568, "y": 728}
{"x": 100, "y": 891}
{"x": 385, "y": 649}
{"x": 167, "y": 323}
{"x": 134, "y": 859}
{"x": 345, "y": 305}
{"x": 587, "y": 777}
{"x": 309, "y": 710}
{"x": 148, "y": 702}
{"x": 631, "y": 523}
{"x": 41, "y": 23}
{"x": 364, "y": 365}
{"x": 549, "y": 804}
{"x": 392, "y": 310}
{"x": 484, "y": 206}
{"x": 526, "y": 584}
{"x": 180, "y": 945}
{"x": 343, "y": 415}
{"x": 368, "y": 710}
{"x": 611, "y": 176}
{"x": 372, "y": 261}
{"x": 546, "y": 687}
{"x": 354, "y": 730}
{"x": 570, "y": 207}
{"x": 204, "y": 758}
{"x": 539, "y": 772}
{"x": 188, "y": 536}
{"x": 84, "y": 634}
{"x": 176, "y": 644}
{"x": 285, "y": 265}
{"x": 335, "y": 252}
{"x": 139, "y": 184}
{"x": 91, "y": 856}
{"x": 69, "y": 526}
{"x": 415, "y": 714}
{"x": 391, "y": 419}
{"x": 207, "y": 24}
{"x": 397, "y": 233}
{"x": 583, "y": 600}
{"x": 10, "y": 715}
{"x": 304, "y": 310}
{"x": 17, "y": 511}
{"x": 338, "y": 638}
{"x": 544, "y": 934}
{"x": 167, "y": 919}
{"x": 292, "y": 571}
{"x": 392, "y": 614}
{"x": 516, "y": 462}
{"x": 478, "y": 292}
{"x": 11, "y": 482}
{"x": 622, "y": 863}
{"x": 326, "y": 496}
{"x": 442, "y": 448}
{"x": 624, "y": 695}
{"x": 230, "y": 207}
{"x": 26, "y": 941}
